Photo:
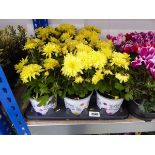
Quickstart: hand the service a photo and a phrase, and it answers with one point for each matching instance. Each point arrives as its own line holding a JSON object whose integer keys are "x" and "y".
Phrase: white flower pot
{"x": 77, "y": 106}
{"x": 43, "y": 109}
{"x": 111, "y": 106}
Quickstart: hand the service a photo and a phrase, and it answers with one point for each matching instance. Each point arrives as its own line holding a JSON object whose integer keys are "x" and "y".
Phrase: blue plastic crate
{"x": 39, "y": 23}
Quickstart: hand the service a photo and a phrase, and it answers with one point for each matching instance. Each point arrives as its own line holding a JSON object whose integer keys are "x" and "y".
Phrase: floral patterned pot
{"x": 77, "y": 106}
{"x": 51, "y": 104}
{"x": 111, "y": 106}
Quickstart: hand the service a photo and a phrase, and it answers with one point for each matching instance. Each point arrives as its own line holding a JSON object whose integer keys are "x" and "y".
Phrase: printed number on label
{"x": 94, "y": 114}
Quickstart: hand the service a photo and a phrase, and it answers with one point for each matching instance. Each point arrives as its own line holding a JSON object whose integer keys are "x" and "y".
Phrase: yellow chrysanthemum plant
{"x": 40, "y": 69}
{"x": 82, "y": 68}
{"x": 104, "y": 70}
{"x": 113, "y": 79}
{"x": 75, "y": 79}
{"x": 39, "y": 79}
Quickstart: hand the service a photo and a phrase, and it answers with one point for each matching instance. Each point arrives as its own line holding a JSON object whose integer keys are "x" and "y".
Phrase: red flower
{"x": 128, "y": 36}
{"x": 127, "y": 49}
{"x": 134, "y": 47}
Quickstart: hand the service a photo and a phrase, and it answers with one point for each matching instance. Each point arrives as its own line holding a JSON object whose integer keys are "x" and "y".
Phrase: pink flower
{"x": 110, "y": 37}
{"x": 117, "y": 40}
{"x": 152, "y": 71}
{"x": 143, "y": 51}
{"x": 150, "y": 61}
{"x": 137, "y": 62}
{"x": 143, "y": 44}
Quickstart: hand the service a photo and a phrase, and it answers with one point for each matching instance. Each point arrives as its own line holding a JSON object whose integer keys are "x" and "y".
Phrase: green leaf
{"x": 129, "y": 96}
{"x": 43, "y": 88}
{"x": 82, "y": 95}
{"x": 102, "y": 91}
{"x": 127, "y": 89}
{"x": 153, "y": 108}
{"x": 70, "y": 91}
{"x": 141, "y": 107}
{"x": 50, "y": 79}
{"x": 89, "y": 87}
{"x": 119, "y": 86}
{"x": 26, "y": 95}
{"x": 100, "y": 86}
{"x": 43, "y": 100}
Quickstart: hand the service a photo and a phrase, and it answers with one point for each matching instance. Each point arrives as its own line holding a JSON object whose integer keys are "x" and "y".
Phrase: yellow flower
{"x": 78, "y": 79}
{"x": 122, "y": 78}
{"x": 36, "y": 40}
{"x": 43, "y": 33}
{"x": 107, "y": 72}
{"x": 54, "y": 40}
{"x": 50, "y": 63}
{"x": 121, "y": 60}
{"x": 72, "y": 45}
{"x": 30, "y": 71}
{"x": 108, "y": 52}
{"x": 65, "y": 50}
{"x": 86, "y": 59}
{"x": 69, "y": 46}
{"x": 116, "y": 97}
{"x": 106, "y": 44}
{"x": 97, "y": 77}
{"x": 99, "y": 60}
{"x": 92, "y": 36}
{"x": 33, "y": 43}
{"x": 51, "y": 48}
{"x": 72, "y": 66}
{"x": 21, "y": 64}
{"x": 65, "y": 36}
{"x": 30, "y": 44}
{"x": 81, "y": 38}
{"x": 47, "y": 73}
{"x": 92, "y": 28}
{"x": 82, "y": 47}
{"x": 69, "y": 28}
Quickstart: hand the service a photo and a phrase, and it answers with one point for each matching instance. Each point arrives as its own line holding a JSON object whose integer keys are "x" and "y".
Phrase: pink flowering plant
{"x": 141, "y": 47}
{"x": 144, "y": 78}
{"x": 130, "y": 42}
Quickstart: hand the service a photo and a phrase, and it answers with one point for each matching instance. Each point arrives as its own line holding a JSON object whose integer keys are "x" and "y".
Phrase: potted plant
{"x": 40, "y": 82}
{"x": 76, "y": 84}
{"x": 113, "y": 87}
{"x": 11, "y": 45}
{"x": 140, "y": 46}
{"x": 80, "y": 62}
{"x": 143, "y": 67}
{"x": 39, "y": 70}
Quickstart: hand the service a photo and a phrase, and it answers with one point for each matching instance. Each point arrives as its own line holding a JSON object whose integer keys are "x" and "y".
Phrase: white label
{"x": 94, "y": 114}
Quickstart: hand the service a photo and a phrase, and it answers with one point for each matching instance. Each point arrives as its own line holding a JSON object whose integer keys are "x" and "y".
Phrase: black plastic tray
{"x": 61, "y": 113}
{"x": 135, "y": 111}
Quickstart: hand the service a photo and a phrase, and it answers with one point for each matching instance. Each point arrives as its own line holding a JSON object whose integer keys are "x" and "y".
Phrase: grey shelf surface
{"x": 71, "y": 127}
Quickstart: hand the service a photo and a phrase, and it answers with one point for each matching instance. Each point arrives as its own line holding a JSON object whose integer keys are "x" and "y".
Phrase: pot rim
{"x": 36, "y": 99}
{"x": 79, "y": 99}
{"x": 109, "y": 98}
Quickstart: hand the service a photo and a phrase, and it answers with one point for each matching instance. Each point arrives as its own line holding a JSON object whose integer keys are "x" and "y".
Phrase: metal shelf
{"x": 12, "y": 117}
{"x": 131, "y": 124}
